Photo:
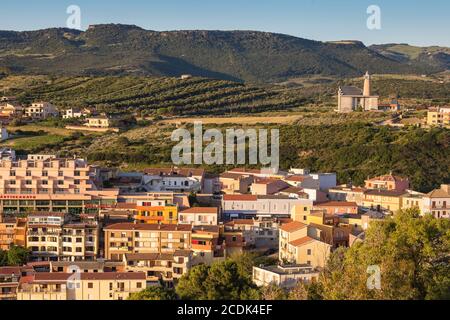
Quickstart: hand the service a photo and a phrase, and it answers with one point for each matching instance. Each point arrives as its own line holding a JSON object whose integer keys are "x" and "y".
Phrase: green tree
{"x": 412, "y": 253}
{"x": 221, "y": 281}
{"x": 17, "y": 256}
{"x": 154, "y": 293}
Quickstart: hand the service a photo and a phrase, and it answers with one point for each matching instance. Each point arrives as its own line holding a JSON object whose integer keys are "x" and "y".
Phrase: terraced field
{"x": 153, "y": 96}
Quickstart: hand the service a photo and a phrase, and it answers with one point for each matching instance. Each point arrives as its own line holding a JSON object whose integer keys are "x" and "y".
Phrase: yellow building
{"x": 439, "y": 117}
{"x": 386, "y": 200}
{"x": 300, "y": 213}
{"x": 81, "y": 286}
{"x": 157, "y": 214}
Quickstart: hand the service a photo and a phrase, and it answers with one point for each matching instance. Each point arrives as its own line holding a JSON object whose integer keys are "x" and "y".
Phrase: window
{"x": 28, "y": 173}
{"x": 12, "y": 173}
{"x": 60, "y": 182}
{"x": 90, "y": 285}
{"x": 309, "y": 252}
{"x": 28, "y": 182}
{"x": 45, "y": 173}
{"x": 139, "y": 285}
{"x": 60, "y": 174}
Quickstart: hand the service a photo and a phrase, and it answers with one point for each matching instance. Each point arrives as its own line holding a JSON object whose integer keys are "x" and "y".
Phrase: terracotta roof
{"x": 149, "y": 227}
{"x": 438, "y": 193}
{"x": 47, "y": 214}
{"x": 207, "y": 229}
{"x": 186, "y": 172}
{"x": 124, "y": 205}
{"x": 295, "y": 178}
{"x": 387, "y": 193}
{"x": 388, "y": 177}
{"x": 302, "y": 241}
{"x": 200, "y": 210}
{"x": 57, "y": 276}
{"x": 293, "y": 226}
{"x": 10, "y": 270}
{"x": 336, "y": 204}
{"x": 229, "y": 175}
{"x": 240, "y": 221}
{"x": 239, "y": 197}
{"x": 244, "y": 170}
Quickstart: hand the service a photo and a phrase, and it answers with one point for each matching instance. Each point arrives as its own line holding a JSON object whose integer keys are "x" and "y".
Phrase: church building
{"x": 353, "y": 98}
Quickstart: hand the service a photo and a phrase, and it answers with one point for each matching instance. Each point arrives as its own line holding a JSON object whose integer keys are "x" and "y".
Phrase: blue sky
{"x": 417, "y": 22}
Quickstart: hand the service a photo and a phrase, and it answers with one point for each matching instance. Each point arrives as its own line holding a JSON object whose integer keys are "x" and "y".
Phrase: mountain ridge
{"x": 244, "y": 56}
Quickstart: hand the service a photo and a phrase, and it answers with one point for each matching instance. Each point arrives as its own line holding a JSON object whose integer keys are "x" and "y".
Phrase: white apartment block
{"x": 41, "y": 110}
{"x": 248, "y": 206}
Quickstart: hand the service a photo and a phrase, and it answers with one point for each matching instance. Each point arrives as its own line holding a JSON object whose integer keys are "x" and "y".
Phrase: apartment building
{"x": 174, "y": 179}
{"x": 437, "y": 202}
{"x": 298, "y": 247}
{"x": 12, "y": 232}
{"x": 207, "y": 245}
{"x": 235, "y": 183}
{"x": 46, "y": 176}
{"x": 80, "y": 241}
{"x": 267, "y": 186}
{"x": 125, "y": 238}
{"x": 102, "y": 122}
{"x": 258, "y": 232}
{"x": 147, "y": 213}
{"x": 199, "y": 216}
{"x": 41, "y": 110}
{"x": 97, "y": 266}
{"x": 439, "y": 117}
{"x": 347, "y": 193}
{"x": 383, "y": 200}
{"x": 337, "y": 207}
{"x": 249, "y": 206}
{"x": 159, "y": 267}
{"x": 284, "y": 276}
{"x": 81, "y": 286}
{"x": 9, "y": 282}
{"x": 44, "y": 235}
{"x": 388, "y": 182}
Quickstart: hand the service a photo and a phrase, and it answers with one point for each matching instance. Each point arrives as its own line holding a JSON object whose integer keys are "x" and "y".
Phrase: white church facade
{"x": 353, "y": 98}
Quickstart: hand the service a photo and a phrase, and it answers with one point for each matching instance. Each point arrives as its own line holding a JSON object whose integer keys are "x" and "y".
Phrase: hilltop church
{"x": 353, "y": 98}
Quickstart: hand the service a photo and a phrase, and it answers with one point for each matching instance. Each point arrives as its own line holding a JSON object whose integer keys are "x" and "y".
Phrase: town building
{"x": 347, "y": 193}
{"x": 207, "y": 245}
{"x": 102, "y": 122}
{"x": 12, "y": 232}
{"x": 250, "y": 206}
{"x": 337, "y": 207}
{"x": 124, "y": 238}
{"x": 388, "y": 182}
{"x": 383, "y": 200}
{"x": 166, "y": 268}
{"x": 437, "y": 202}
{"x": 160, "y": 214}
{"x": 297, "y": 246}
{"x": 81, "y": 286}
{"x": 284, "y": 276}
{"x": 75, "y": 113}
{"x": 438, "y": 117}
{"x": 199, "y": 216}
{"x": 174, "y": 179}
{"x": 80, "y": 241}
{"x": 352, "y": 98}
{"x": 9, "y": 282}
{"x": 11, "y": 109}
{"x": 235, "y": 183}
{"x": 41, "y": 110}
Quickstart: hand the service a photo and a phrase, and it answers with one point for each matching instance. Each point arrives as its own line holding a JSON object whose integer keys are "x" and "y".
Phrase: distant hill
{"x": 229, "y": 55}
{"x": 435, "y": 57}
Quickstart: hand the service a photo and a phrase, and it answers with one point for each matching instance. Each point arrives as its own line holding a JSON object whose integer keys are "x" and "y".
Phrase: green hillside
{"x": 231, "y": 55}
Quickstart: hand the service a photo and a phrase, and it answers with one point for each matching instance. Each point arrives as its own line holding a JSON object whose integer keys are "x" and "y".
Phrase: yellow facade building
{"x": 157, "y": 214}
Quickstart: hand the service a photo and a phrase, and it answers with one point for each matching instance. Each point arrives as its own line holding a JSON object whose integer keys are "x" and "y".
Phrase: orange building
{"x": 12, "y": 232}
{"x": 157, "y": 214}
{"x": 337, "y": 207}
